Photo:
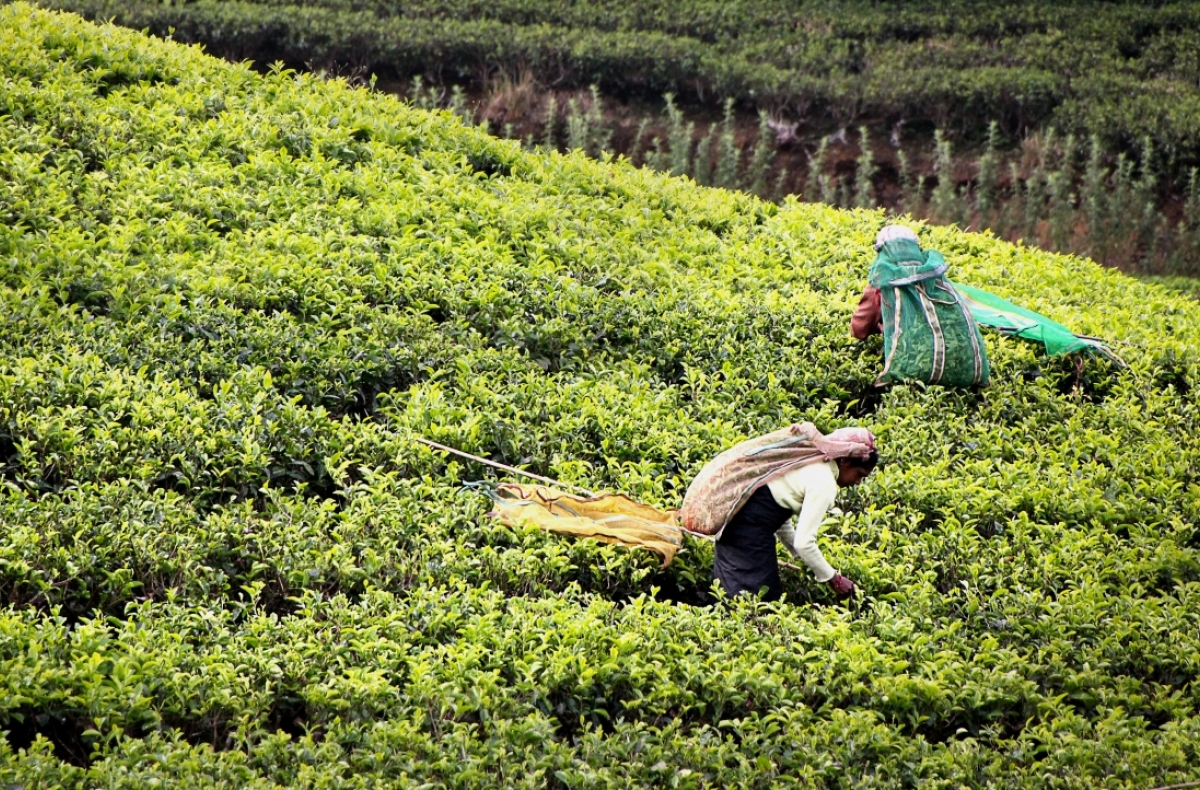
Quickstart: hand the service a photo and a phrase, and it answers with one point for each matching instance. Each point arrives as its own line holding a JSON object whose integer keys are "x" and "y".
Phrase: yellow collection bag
{"x": 611, "y": 518}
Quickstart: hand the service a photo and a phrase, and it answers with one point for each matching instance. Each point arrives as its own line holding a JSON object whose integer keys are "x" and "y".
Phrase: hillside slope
{"x": 1122, "y": 71}
{"x": 232, "y": 301}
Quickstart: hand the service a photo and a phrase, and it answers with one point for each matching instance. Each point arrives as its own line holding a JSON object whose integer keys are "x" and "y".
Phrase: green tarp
{"x": 992, "y": 311}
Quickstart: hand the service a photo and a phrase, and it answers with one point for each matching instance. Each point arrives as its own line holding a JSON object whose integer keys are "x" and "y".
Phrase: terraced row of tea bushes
{"x": 1187, "y": 285}
{"x": 1047, "y": 202}
{"x": 233, "y": 301}
{"x": 1137, "y": 212}
{"x": 462, "y": 685}
{"x": 1123, "y": 71}
{"x": 714, "y": 22}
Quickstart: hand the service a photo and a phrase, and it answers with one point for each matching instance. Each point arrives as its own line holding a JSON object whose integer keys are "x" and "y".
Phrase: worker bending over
{"x": 747, "y": 496}
{"x": 929, "y": 333}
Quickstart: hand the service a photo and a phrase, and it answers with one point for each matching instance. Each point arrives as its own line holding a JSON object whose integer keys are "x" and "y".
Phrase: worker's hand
{"x": 841, "y": 585}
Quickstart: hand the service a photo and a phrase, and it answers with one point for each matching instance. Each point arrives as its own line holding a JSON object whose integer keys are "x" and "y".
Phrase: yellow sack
{"x": 611, "y": 518}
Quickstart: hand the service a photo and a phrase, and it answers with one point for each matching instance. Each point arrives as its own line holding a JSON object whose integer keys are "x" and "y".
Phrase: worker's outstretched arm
{"x": 801, "y": 539}
{"x": 868, "y": 316}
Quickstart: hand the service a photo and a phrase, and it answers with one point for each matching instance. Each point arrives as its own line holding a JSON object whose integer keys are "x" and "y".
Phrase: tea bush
{"x": 1119, "y": 70}
{"x": 1187, "y": 285}
{"x": 972, "y": 97}
{"x": 232, "y": 302}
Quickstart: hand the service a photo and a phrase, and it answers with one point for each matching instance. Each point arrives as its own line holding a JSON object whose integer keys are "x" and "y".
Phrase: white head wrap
{"x": 892, "y": 233}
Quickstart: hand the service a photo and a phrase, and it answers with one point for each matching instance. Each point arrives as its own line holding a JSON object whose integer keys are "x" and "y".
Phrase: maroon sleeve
{"x": 868, "y": 318}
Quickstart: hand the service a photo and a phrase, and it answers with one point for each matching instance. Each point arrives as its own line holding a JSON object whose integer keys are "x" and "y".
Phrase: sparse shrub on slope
{"x": 231, "y": 301}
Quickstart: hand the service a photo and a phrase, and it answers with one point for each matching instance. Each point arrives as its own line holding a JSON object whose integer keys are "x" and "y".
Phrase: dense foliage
{"x": 1188, "y": 285}
{"x": 1088, "y": 99}
{"x": 1053, "y": 191}
{"x": 232, "y": 301}
{"x": 1123, "y": 71}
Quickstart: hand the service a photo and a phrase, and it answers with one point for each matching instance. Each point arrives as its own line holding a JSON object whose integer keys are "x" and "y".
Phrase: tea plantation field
{"x": 1122, "y": 71}
{"x": 230, "y": 304}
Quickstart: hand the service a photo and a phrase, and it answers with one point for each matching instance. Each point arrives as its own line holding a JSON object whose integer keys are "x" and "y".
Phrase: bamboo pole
{"x": 498, "y": 465}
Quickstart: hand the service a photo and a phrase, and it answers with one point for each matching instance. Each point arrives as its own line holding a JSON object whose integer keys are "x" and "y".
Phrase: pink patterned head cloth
{"x": 859, "y": 442}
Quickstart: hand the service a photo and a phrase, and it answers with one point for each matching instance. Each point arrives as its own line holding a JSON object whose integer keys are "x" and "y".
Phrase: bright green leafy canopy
{"x": 231, "y": 301}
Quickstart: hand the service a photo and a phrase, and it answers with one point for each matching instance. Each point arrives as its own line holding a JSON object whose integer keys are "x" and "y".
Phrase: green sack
{"x": 992, "y": 311}
{"x": 929, "y": 333}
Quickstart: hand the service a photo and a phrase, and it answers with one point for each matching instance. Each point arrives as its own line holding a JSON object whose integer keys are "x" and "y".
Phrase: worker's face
{"x": 850, "y": 475}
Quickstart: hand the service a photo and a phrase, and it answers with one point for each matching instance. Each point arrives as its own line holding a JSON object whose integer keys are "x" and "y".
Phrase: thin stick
{"x": 1177, "y": 787}
{"x": 558, "y": 483}
{"x": 1102, "y": 340}
{"x": 505, "y": 467}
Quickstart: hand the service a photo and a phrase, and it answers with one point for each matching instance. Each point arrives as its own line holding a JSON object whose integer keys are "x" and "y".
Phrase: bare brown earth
{"x": 517, "y": 107}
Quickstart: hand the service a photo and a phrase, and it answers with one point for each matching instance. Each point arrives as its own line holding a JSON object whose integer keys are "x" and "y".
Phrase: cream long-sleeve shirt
{"x": 809, "y": 492}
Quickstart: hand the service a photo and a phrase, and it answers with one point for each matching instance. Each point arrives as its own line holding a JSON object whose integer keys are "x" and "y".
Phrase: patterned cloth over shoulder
{"x": 727, "y": 481}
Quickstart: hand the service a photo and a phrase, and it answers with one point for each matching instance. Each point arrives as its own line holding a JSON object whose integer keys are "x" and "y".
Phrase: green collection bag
{"x": 929, "y": 333}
